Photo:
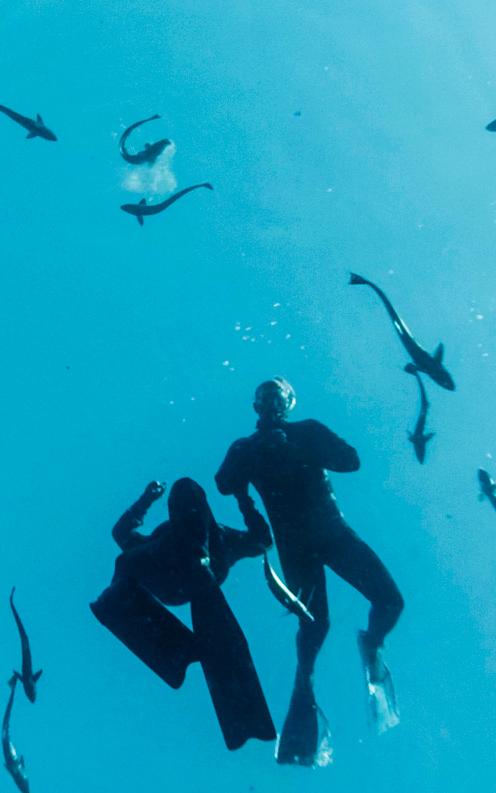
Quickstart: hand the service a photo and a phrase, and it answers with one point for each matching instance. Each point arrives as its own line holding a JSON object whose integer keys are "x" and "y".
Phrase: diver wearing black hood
{"x": 185, "y": 560}
{"x": 287, "y": 463}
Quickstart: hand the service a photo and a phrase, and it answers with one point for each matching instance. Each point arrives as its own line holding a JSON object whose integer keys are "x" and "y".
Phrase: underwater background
{"x": 343, "y": 136}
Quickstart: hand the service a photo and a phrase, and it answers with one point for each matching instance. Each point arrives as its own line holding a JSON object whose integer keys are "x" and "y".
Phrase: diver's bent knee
{"x": 396, "y": 603}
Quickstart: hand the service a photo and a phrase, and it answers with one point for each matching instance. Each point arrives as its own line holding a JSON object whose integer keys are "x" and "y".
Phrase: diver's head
{"x": 188, "y": 501}
{"x": 274, "y": 399}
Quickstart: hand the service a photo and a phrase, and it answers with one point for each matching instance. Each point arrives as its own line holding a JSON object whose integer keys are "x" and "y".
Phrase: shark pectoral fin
{"x": 21, "y": 761}
{"x": 438, "y": 353}
{"x": 429, "y": 436}
{"x": 481, "y": 496}
{"x": 31, "y": 135}
{"x": 139, "y": 218}
{"x": 37, "y": 675}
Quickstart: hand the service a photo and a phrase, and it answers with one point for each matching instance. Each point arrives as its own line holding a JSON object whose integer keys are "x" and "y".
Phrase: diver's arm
{"x": 124, "y": 532}
{"x": 238, "y": 544}
{"x": 232, "y": 475}
{"x": 324, "y": 448}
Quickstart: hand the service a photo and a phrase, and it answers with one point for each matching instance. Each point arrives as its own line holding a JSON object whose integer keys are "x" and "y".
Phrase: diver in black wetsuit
{"x": 287, "y": 464}
{"x": 185, "y": 560}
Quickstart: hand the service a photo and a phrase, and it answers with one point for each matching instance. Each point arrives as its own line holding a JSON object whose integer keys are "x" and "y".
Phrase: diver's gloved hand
{"x": 154, "y": 491}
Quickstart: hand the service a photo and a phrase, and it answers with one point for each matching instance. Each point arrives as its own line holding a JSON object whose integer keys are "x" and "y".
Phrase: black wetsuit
{"x": 185, "y": 560}
{"x": 173, "y": 561}
{"x": 287, "y": 463}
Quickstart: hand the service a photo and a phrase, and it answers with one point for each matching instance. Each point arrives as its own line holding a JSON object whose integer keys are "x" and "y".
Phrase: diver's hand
{"x": 271, "y": 439}
{"x": 154, "y": 491}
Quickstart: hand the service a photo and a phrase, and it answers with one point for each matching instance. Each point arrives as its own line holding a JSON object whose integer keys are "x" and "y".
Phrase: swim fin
{"x": 299, "y": 739}
{"x": 148, "y": 629}
{"x": 229, "y": 671}
{"x": 383, "y": 707}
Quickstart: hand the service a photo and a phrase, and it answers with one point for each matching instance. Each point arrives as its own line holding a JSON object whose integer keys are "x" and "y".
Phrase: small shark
{"x": 417, "y": 437}
{"x": 487, "y": 487}
{"x": 27, "y": 678}
{"x": 36, "y": 127}
{"x": 284, "y": 595}
{"x": 13, "y": 763}
{"x": 151, "y": 151}
{"x": 141, "y": 209}
{"x": 431, "y": 365}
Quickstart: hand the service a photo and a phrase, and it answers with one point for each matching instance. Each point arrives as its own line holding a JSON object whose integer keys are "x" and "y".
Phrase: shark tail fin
{"x": 37, "y": 675}
{"x": 357, "y": 279}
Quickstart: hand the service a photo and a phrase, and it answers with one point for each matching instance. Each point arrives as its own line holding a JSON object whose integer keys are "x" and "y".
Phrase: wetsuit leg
{"x": 299, "y": 740}
{"x": 355, "y": 562}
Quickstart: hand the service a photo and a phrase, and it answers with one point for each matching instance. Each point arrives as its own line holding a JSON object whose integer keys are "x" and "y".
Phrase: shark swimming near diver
{"x": 150, "y": 153}
{"x": 27, "y": 677}
{"x": 141, "y": 209}
{"x": 36, "y": 127}
{"x": 431, "y": 365}
{"x": 418, "y": 437}
{"x": 13, "y": 762}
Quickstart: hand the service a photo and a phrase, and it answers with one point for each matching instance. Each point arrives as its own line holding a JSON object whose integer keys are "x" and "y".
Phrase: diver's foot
{"x": 380, "y": 689}
{"x": 372, "y": 658}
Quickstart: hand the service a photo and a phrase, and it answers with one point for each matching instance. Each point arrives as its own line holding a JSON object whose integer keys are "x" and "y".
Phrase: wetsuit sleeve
{"x": 239, "y": 544}
{"x": 124, "y": 532}
{"x": 324, "y": 448}
{"x": 233, "y": 475}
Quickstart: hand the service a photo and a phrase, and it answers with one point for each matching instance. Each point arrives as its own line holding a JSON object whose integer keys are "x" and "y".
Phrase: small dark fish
{"x": 141, "y": 209}
{"x": 431, "y": 365}
{"x": 36, "y": 127}
{"x": 27, "y": 678}
{"x": 417, "y": 437}
{"x": 151, "y": 151}
{"x": 297, "y": 113}
{"x": 487, "y": 487}
{"x": 284, "y": 595}
{"x": 13, "y": 762}
{"x": 491, "y": 127}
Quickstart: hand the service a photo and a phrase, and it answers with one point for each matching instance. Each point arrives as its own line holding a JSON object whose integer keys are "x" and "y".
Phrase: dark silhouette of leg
{"x": 355, "y": 562}
{"x": 299, "y": 740}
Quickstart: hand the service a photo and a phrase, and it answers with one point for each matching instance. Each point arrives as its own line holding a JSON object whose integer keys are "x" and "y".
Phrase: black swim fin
{"x": 298, "y": 742}
{"x": 229, "y": 671}
{"x": 148, "y": 629}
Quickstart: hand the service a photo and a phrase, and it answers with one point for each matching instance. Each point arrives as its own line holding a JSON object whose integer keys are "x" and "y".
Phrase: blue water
{"x": 132, "y": 353}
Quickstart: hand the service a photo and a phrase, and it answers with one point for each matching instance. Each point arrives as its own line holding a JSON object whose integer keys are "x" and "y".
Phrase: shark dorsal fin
{"x": 39, "y": 119}
{"x": 147, "y": 145}
{"x": 142, "y": 203}
{"x": 438, "y": 353}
